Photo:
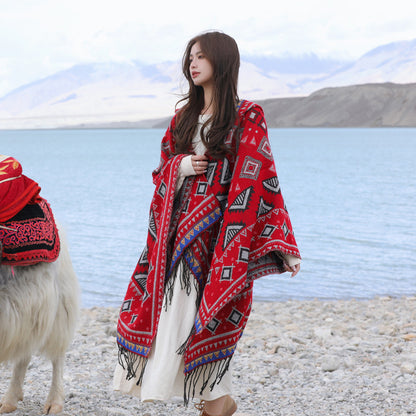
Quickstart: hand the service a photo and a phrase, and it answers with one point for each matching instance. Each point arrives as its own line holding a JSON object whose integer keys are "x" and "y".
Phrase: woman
{"x": 217, "y": 222}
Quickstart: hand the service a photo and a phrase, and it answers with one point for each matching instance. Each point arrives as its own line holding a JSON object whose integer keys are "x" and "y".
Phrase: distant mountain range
{"x": 122, "y": 94}
{"x": 368, "y": 105}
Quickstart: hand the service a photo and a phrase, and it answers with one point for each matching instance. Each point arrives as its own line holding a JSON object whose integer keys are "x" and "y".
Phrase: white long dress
{"x": 163, "y": 377}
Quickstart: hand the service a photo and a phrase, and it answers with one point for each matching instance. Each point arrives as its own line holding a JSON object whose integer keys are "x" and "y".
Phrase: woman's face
{"x": 200, "y": 68}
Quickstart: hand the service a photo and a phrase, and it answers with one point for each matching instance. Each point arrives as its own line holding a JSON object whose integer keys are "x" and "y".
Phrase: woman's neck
{"x": 208, "y": 101}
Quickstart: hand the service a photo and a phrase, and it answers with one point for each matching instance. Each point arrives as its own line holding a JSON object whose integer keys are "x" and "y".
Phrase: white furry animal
{"x": 38, "y": 312}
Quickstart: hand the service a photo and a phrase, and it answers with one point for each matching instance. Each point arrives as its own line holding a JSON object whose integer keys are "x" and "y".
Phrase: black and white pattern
{"x": 202, "y": 188}
{"x": 235, "y": 317}
{"x": 244, "y": 253}
{"x": 141, "y": 280}
{"x": 223, "y": 200}
{"x": 162, "y": 190}
{"x": 264, "y": 208}
{"x": 267, "y": 231}
{"x": 285, "y": 229}
{"x": 152, "y": 225}
{"x": 227, "y": 273}
{"x": 272, "y": 185}
{"x": 126, "y": 306}
{"x": 210, "y": 173}
{"x": 143, "y": 258}
{"x": 209, "y": 278}
{"x": 231, "y": 231}
{"x": 241, "y": 202}
{"x": 213, "y": 325}
{"x": 226, "y": 173}
{"x": 185, "y": 206}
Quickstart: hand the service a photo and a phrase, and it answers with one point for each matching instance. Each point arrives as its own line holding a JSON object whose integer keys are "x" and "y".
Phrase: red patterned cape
{"x": 227, "y": 227}
{"x": 28, "y": 233}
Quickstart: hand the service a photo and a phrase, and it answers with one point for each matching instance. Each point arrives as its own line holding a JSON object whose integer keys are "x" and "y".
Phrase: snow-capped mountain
{"x": 93, "y": 92}
{"x": 130, "y": 92}
{"x": 395, "y": 62}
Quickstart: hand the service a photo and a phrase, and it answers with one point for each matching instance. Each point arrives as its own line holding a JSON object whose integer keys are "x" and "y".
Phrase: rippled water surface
{"x": 351, "y": 194}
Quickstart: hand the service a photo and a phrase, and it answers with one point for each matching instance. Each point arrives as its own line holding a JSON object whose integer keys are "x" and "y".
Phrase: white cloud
{"x": 40, "y": 37}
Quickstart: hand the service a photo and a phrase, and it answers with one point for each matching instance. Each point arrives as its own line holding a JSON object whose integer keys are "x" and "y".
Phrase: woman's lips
{"x": 195, "y": 74}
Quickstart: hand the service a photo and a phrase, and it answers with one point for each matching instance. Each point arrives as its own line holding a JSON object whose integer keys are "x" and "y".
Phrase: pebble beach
{"x": 343, "y": 357}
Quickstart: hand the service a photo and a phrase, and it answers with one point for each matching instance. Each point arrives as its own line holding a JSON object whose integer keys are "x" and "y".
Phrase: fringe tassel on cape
{"x": 217, "y": 368}
{"x": 131, "y": 362}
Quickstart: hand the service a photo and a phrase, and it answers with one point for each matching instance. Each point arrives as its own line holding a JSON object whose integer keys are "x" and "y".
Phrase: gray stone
{"x": 407, "y": 368}
{"x": 330, "y": 363}
{"x": 323, "y": 332}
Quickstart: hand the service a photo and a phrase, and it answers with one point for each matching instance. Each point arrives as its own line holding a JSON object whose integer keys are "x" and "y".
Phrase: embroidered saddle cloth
{"x": 28, "y": 233}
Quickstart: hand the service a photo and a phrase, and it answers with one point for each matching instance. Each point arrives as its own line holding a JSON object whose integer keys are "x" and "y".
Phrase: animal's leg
{"x": 15, "y": 391}
{"x": 55, "y": 402}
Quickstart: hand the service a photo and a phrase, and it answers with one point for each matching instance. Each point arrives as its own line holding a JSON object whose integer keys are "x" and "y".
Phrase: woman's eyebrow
{"x": 196, "y": 53}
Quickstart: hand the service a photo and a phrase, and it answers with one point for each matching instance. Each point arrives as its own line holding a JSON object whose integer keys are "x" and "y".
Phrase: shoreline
{"x": 297, "y": 357}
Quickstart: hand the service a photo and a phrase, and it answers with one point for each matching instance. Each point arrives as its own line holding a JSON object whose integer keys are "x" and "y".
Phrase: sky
{"x": 41, "y": 37}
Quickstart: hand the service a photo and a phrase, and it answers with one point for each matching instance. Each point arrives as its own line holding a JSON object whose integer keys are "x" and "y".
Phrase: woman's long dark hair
{"x": 222, "y": 52}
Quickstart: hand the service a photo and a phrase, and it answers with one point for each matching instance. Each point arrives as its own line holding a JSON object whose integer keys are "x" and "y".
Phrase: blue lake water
{"x": 351, "y": 195}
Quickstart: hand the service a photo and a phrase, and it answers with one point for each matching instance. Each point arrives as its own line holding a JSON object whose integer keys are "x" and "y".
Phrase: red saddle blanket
{"x": 30, "y": 236}
{"x": 28, "y": 233}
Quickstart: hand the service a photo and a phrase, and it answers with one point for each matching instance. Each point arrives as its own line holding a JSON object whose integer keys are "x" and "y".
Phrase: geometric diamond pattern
{"x": 243, "y": 255}
{"x": 257, "y": 118}
{"x": 251, "y": 168}
{"x": 202, "y": 188}
{"x": 285, "y": 229}
{"x": 265, "y": 148}
{"x": 235, "y": 317}
{"x": 126, "y": 305}
{"x": 227, "y": 273}
{"x": 213, "y": 325}
{"x": 162, "y": 190}
{"x": 268, "y": 230}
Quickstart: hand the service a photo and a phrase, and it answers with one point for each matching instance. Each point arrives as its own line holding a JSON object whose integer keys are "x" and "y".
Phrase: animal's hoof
{"x": 53, "y": 408}
{"x": 7, "y": 408}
